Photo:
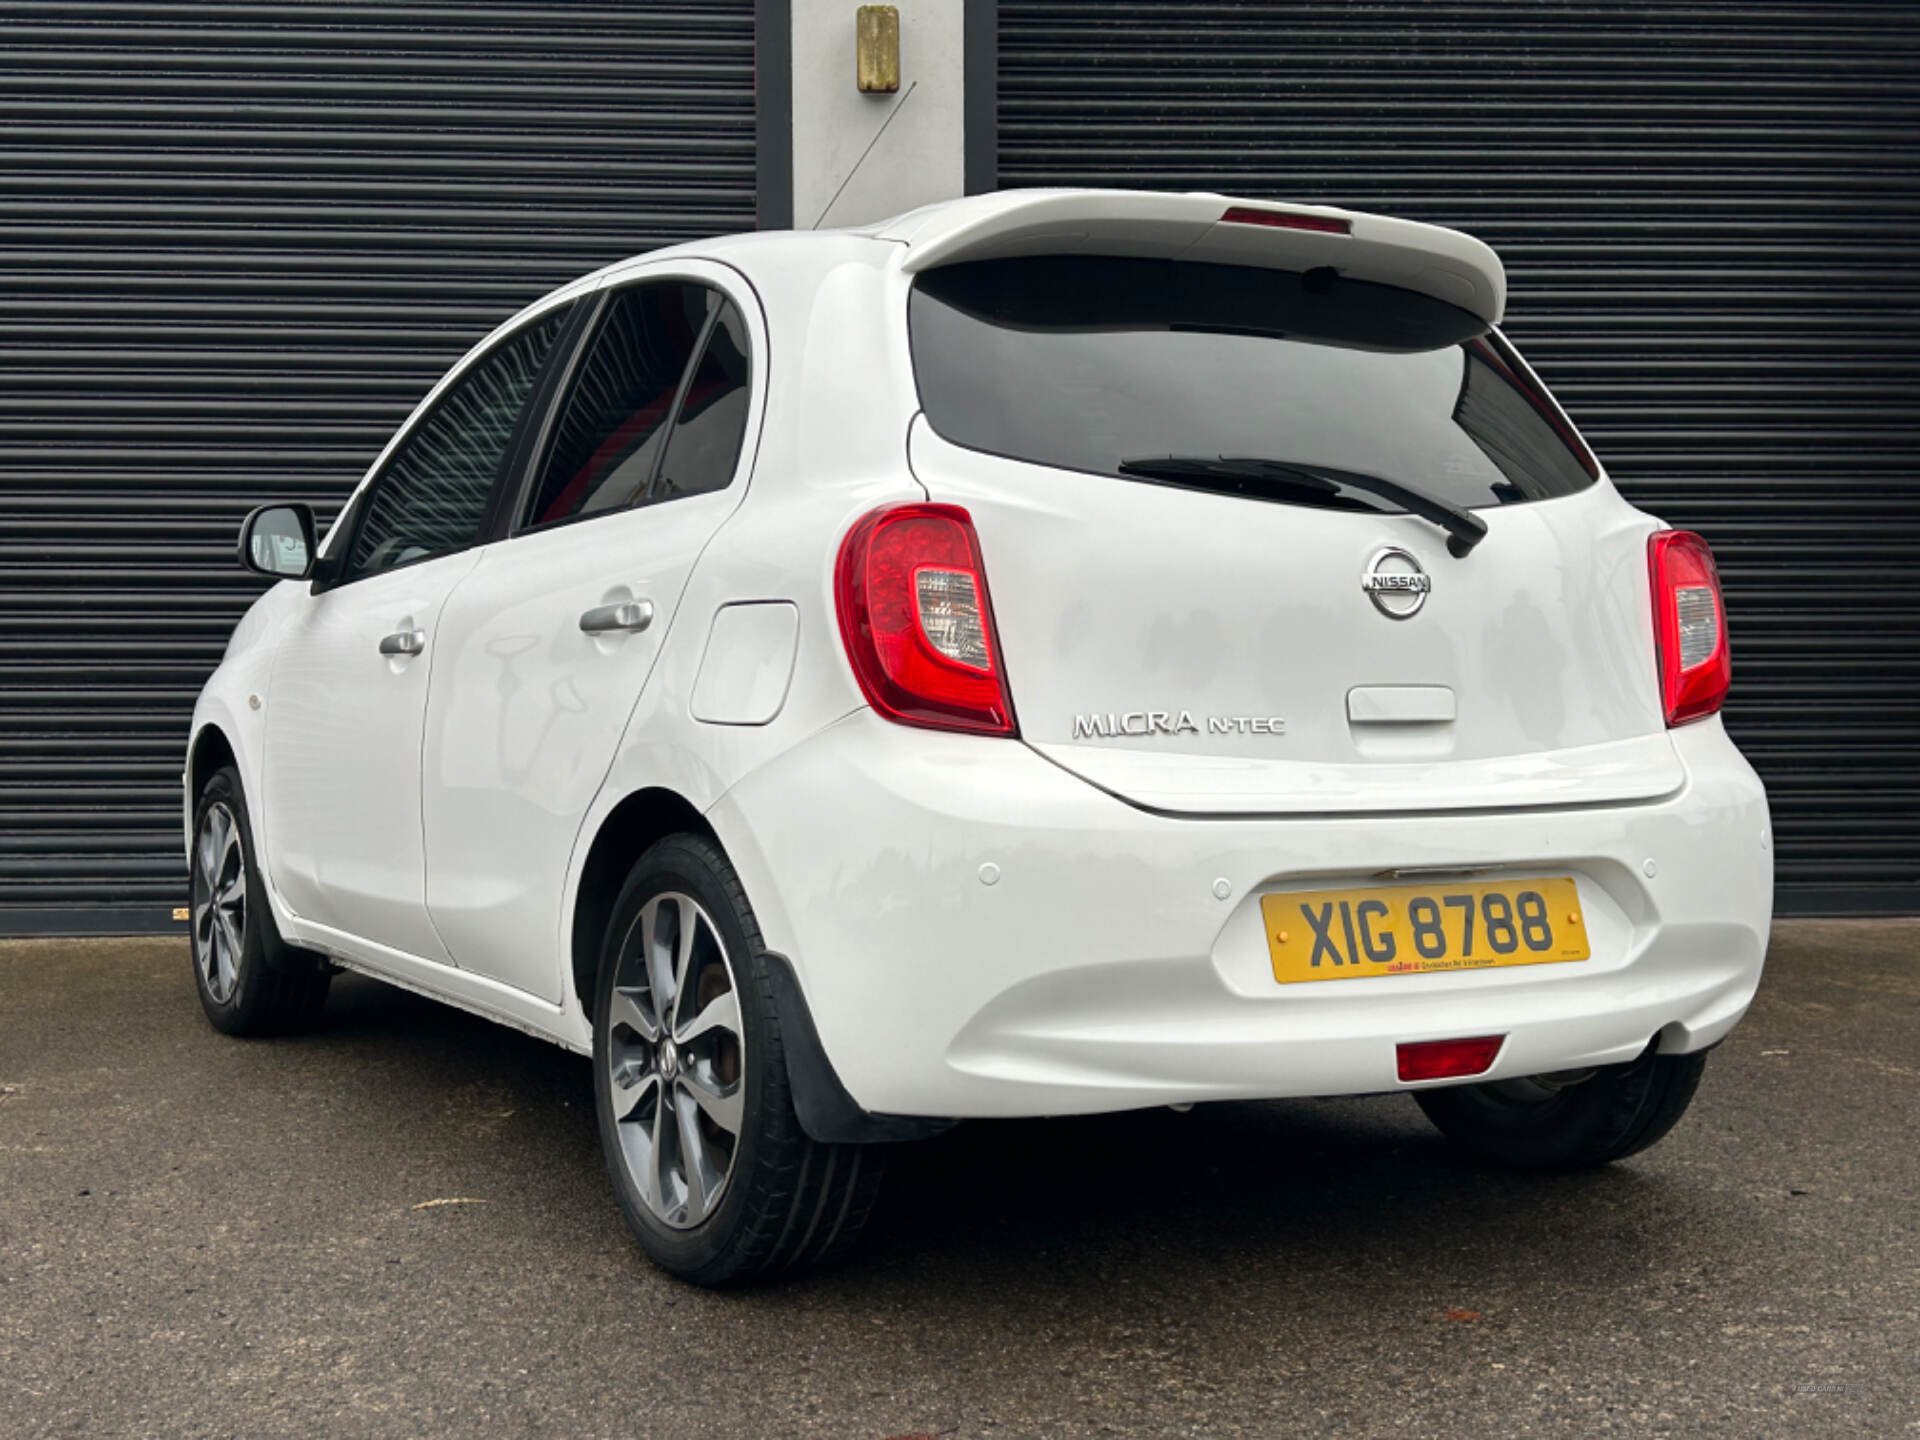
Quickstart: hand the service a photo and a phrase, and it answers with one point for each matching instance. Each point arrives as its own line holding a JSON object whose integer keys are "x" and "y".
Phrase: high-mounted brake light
{"x": 1287, "y": 220}
{"x": 917, "y": 623}
{"x": 1689, "y": 625}
{"x": 1447, "y": 1059}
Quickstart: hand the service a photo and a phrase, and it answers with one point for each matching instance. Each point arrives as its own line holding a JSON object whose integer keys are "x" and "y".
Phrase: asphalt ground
{"x": 208, "y": 1237}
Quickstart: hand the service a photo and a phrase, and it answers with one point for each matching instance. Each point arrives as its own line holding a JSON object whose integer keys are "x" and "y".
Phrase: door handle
{"x": 634, "y": 615}
{"x": 403, "y": 642}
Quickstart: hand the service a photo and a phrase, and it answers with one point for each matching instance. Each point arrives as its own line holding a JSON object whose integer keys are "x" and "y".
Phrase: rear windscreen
{"x": 1192, "y": 374}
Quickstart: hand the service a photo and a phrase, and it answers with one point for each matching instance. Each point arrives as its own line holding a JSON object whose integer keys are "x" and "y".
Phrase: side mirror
{"x": 278, "y": 540}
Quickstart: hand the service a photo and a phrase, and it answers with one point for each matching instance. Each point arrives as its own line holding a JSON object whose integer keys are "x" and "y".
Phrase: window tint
{"x": 1506, "y": 411}
{"x": 603, "y": 448}
{"x": 432, "y": 495}
{"x": 705, "y": 444}
{"x": 1110, "y": 365}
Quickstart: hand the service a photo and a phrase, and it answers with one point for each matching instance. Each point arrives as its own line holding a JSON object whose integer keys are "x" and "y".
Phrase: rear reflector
{"x": 1287, "y": 220}
{"x": 1689, "y": 625}
{"x": 916, "y": 621}
{"x": 1448, "y": 1059}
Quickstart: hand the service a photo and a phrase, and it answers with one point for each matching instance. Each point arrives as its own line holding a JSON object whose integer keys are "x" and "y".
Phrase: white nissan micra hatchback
{"x": 1053, "y": 652}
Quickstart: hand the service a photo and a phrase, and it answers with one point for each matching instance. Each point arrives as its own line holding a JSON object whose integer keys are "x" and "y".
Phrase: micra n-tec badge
{"x": 1141, "y": 723}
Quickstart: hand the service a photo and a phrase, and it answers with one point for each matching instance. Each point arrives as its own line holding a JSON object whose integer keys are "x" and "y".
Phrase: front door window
{"x": 431, "y": 496}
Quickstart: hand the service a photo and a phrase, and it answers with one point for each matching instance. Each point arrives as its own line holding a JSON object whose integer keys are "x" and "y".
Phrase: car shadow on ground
{"x": 1339, "y": 1198}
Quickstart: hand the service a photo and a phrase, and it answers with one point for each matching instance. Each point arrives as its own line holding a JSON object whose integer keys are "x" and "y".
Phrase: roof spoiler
{"x": 1429, "y": 259}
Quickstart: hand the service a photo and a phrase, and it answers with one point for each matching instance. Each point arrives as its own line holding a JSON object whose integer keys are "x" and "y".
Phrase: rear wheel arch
{"x": 637, "y": 822}
{"x": 827, "y": 1112}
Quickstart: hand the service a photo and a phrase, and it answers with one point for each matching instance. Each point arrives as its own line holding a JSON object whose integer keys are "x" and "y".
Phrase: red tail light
{"x": 1447, "y": 1059}
{"x": 917, "y": 623}
{"x": 1689, "y": 625}
{"x": 1287, "y": 220}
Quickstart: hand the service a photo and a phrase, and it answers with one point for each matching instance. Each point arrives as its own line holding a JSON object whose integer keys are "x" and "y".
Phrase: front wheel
{"x": 711, "y": 1167}
{"x": 250, "y": 981}
{"x": 1568, "y": 1121}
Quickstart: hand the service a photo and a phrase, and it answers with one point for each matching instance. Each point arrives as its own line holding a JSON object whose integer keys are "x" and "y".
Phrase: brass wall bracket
{"x": 877, "y": 49}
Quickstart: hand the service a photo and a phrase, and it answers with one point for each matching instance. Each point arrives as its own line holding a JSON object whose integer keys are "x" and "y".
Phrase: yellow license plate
{"x": 1417, "y": 929}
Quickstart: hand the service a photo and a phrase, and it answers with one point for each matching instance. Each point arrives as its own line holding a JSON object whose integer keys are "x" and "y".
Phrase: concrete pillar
{"x": 850, "y": 157}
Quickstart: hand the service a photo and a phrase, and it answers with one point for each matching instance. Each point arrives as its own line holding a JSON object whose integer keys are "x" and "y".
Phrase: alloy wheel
{"x": 219, "y": 900}
{"x": 675, "y": 1059}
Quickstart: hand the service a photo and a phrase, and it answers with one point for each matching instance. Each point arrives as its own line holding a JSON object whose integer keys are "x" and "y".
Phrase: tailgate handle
{"x": 1401, "y": 705}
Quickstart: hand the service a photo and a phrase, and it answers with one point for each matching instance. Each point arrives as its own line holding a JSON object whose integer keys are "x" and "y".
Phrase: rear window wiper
{"x": 1464, "y": 528}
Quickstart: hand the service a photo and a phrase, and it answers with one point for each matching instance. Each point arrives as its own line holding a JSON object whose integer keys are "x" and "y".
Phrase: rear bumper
{"x": 1100, "y": 970}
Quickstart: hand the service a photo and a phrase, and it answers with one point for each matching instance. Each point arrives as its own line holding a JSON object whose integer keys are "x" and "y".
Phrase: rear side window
{"x": 705, "y": 444}
{"x": 607, "y": 439}
{"x": 1162, "y": 370}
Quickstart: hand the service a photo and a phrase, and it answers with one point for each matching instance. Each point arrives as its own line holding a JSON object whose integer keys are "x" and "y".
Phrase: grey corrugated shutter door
{"x": 237, "y": 243}
{"x": 1710, "y": 215}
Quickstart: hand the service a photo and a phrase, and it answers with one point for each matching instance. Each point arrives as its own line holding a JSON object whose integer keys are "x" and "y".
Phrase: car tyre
{"x": 250, "y": 981}
{"x": 708, "y": 1159}
{"x": 1572, "y": 1122}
